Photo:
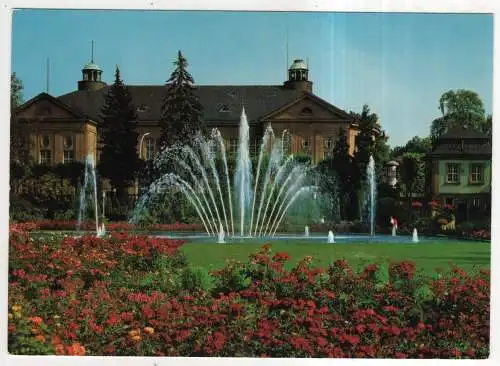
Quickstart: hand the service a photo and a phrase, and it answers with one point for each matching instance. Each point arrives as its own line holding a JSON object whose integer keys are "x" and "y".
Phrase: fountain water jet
{"x": 89, "y": 179}
{"x": 221, "y": 235}
{"x": 331, "y": 237}
{"x": 415, "y": 236}
{"x": 200, "y": 175}
{"x": 371, "y": 194}
{"x": 306, "y": 231}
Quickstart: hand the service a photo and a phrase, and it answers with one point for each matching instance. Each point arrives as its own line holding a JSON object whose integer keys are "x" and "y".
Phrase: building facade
{"x": 458, "y": 172}
{"x": 66, "y": 128}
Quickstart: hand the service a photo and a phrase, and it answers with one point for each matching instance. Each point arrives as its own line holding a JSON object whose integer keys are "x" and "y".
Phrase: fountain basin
{"x": 316, "y": 237}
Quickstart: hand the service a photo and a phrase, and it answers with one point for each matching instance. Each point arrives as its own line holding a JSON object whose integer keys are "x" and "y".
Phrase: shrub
{"x": 86, "y": 296}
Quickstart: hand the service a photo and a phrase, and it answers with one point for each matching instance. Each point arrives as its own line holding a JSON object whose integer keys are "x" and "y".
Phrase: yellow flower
{"x": 149, "y": 330}
{"x": 136, "y": 338}
{"x": 16, "y": 308}
{"x": 10, "y": 316}
{"x": 134, "y": 333}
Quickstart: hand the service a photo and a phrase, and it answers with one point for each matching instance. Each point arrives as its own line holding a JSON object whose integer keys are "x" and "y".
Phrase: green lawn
{"x": 427, "y": 255}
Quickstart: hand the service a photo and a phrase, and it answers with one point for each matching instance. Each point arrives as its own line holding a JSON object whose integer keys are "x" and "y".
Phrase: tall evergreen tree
{"x": 119, "y": 161}
{"x": 181, "y": 114}
{"x": 345, "y": 169}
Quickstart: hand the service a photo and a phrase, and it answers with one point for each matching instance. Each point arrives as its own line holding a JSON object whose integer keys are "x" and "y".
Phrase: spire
{"x": 92, "y": 54}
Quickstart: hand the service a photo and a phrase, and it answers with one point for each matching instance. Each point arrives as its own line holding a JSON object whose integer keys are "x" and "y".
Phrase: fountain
{"x": 415, "y": 236}
{"x": 89, "y": 180}
{"x": 251, "y": 207}
{"x": 331, "y": 237}
{"x": 394, "y": 224}
{"x": 371, "y": 194}
{"x": 221, "y": 235}
{"x": 306, "y": 231}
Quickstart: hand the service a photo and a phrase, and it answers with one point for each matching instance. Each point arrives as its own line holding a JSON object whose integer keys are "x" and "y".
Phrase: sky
{"x": 397, "y": 63}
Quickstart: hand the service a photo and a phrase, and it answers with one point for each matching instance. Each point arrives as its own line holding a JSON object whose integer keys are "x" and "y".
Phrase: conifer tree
{"x": 181, "y": 114}
{"x": 119, "y": 161}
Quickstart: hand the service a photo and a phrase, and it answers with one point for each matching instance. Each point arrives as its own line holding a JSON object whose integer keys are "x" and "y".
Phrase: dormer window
{"x": 224, "y": 108}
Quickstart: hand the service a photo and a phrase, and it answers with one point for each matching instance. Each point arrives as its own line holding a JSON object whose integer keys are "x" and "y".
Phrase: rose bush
{"x": 93, "y": 296}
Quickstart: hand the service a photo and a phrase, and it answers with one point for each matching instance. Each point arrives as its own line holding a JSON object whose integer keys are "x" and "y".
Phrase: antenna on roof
{"x": 48, "y": 76}
{"x": 92, "y": 54}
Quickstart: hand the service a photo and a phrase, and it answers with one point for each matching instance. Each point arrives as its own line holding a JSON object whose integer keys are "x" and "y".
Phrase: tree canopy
{"x": 119, "y": 161}
{"x": 181, "y": 114}
{"x": 460, "y": 108}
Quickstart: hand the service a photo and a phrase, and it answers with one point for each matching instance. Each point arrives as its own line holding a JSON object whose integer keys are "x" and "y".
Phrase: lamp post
{"x": 140, "y": 157}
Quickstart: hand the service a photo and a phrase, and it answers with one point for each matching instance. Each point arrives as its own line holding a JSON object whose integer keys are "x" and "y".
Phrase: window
{"x": 476, "y": 202}
{"x": 287, "y": 143}
{"x": 233, "y": 147}
{"x": 449, "y": 201}
{"x": 69, "y": 156}
{"x": 476, "y": 173}
{"x": 68, "y": 142}
{"x": 306, "y": 142}
{"x": 306, "y": 111}
{"x": 328, "y": 144}
{"x": 69, "y": 149}
{"x": 45, "y": 156}
{"x": 452, "y": 173}
{"x": 150, "y": 148}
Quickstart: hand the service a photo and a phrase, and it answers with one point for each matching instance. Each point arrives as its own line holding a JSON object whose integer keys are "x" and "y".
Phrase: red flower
{"x": 416, "y": 204}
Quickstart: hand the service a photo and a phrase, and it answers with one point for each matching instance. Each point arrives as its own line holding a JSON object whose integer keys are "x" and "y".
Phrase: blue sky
{"x": 398, "y": 64}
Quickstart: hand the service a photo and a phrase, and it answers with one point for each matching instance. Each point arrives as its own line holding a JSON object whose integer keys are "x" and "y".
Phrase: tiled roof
{"x": 222, "y": 103}
{"x": 459, "y": 141}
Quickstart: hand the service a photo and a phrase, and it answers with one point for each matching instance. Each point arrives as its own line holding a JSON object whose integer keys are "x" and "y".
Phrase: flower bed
{"x": 131, "y": 295}
{"x": 112, "y": 226}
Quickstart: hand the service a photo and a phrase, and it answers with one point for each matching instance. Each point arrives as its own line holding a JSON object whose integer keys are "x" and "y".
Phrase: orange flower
{"x": 134, "y": 332}
{"x": 136, "y": 338}
{"x": 76, "y": 349}
{"x": 36, "y": 320}
{"x": 40, "y": 338}
{"x": 60, "y": 349}
{"x": 149, "y": 330}
{"x": 56, "y": 340}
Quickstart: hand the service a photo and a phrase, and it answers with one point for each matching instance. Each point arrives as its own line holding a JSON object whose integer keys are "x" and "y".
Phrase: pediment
{"x": 308, "y": 108}
{"x": 45, "y": 107}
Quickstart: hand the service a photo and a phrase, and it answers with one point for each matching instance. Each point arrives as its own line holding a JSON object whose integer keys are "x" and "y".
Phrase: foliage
{"x": 16, "y": 91}
{"x": 181, "y": 113}
{"x": 460, "y": 108}
{"x": 23, "y": 210}
{"x": 411, "y": 173}
{"x": 343, "y": 174}
{"x": 415, "y": 145}
{"x": 86, "y": 296}
{"x": 119, "y": 161}
{"x": 371, "y": 141}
